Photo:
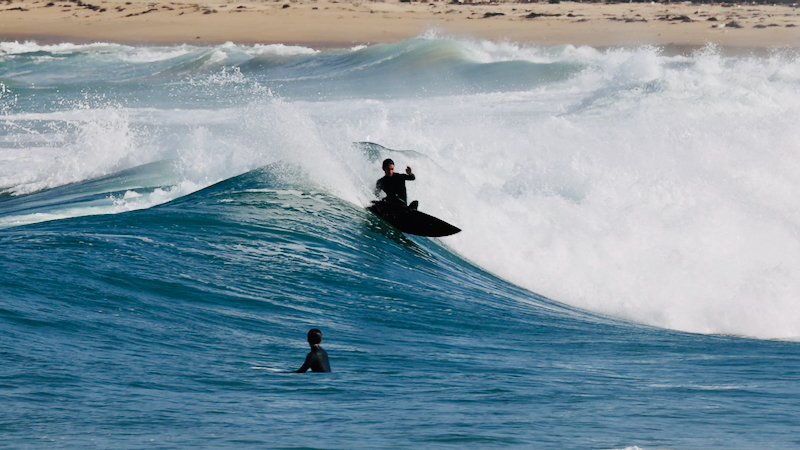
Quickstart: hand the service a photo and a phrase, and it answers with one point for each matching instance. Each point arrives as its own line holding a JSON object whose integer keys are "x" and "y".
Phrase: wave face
{"x": 174, "y": 219}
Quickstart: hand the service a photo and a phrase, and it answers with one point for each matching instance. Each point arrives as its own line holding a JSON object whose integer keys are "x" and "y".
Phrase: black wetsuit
{"x": 317, "y": 361}
{"x": 394, "y": 187}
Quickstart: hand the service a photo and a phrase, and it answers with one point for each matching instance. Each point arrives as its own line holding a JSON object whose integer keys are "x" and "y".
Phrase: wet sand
{"x": 325, "y": 23}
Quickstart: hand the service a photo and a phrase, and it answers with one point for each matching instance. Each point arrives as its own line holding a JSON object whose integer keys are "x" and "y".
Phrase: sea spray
{"x": 653, "y": 188}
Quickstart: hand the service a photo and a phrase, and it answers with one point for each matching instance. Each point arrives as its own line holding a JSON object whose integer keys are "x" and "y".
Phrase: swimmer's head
{"x": 387, "y": 162}
{"x": 314, "y": 336}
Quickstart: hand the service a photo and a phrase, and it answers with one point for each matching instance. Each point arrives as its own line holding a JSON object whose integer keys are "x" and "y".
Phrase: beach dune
{"x": 327, "y": 23}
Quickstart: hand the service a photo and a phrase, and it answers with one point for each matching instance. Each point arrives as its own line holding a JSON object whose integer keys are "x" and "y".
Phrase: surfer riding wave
{"x": 394, "y": 185}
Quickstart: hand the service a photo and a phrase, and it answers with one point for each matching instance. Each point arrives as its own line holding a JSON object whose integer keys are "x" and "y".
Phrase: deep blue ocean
{"x": 173, "y": 220}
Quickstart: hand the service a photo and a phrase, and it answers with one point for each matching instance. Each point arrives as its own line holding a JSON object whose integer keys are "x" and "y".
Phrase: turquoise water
{"x": 173, "y": 220}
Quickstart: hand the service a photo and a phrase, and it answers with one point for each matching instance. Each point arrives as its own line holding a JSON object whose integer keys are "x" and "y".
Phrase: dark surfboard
{"x": 411, "y": 221}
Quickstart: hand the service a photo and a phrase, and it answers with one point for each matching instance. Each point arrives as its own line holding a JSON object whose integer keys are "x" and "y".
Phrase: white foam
{"x": 93, "y": 143}
{"x": 279, "y": 50}
{"x": 138, "y": 54}
{"x": 129, "y": 201}
{"x": 656, "y": 192}
{"x": 17, "y": 48}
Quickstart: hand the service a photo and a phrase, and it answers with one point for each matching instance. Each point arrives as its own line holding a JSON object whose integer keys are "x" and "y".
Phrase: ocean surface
{"x": 173, "y": 220}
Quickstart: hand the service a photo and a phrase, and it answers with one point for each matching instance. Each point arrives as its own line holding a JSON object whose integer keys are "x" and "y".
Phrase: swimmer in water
{"x": 317, "y": 359}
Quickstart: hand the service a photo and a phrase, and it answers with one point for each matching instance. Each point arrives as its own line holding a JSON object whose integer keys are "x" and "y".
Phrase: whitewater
{"x": 173, "y": 219}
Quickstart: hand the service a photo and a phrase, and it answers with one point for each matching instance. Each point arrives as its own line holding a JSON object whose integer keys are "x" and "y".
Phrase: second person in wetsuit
{"x": 394, "y": 184}
{"x": 317, "y": 358}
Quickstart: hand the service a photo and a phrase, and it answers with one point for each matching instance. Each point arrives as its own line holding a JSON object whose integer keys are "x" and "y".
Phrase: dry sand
{"x": 322, "y": 23}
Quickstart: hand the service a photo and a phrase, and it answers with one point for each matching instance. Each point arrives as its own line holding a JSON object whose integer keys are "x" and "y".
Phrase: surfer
{"x": 317, "y": 358}
{"x": 394, "y": 184}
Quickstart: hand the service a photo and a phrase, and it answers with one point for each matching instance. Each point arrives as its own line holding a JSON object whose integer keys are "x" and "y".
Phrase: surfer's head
{"x": 388, "y": 166}
{"x": 314, "y": 336}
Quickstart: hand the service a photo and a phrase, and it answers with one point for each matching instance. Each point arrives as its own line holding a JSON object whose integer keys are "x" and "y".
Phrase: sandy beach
{"x": 327, "y": 23}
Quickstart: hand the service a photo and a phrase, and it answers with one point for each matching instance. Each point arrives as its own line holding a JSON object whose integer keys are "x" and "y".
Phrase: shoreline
{"x": 333, "y": 23}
